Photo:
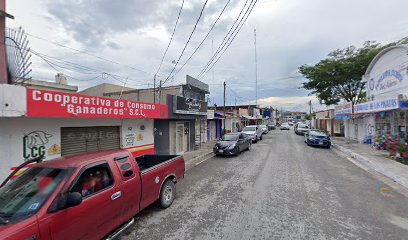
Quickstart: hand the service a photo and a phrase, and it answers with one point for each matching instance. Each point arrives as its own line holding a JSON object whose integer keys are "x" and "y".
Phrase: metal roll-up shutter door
{"x": 75, "y": 140}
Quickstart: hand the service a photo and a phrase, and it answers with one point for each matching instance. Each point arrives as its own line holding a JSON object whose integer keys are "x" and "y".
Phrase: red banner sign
{"x": 41, "y": 103}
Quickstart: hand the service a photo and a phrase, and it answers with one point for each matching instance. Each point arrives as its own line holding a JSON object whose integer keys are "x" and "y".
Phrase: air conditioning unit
{"x": 61, "y": 79}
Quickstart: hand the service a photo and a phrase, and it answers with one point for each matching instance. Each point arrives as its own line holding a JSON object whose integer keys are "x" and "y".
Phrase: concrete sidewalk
{"x": 193, "y": 158}
{"x": 374, "y": 159}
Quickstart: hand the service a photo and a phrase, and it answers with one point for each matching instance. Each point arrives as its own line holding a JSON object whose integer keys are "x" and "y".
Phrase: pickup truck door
{"x": 99, "y": 212}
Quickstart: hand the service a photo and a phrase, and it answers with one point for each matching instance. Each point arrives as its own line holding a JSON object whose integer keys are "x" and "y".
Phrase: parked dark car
{"x": 319, "y": 138}
{"x": 232, "y": 144}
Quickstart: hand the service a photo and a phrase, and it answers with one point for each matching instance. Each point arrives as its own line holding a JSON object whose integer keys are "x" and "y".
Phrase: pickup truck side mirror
{"x": 73, "y": 199}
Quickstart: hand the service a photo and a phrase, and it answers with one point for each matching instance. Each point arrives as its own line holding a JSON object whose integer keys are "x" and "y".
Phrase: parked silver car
{"x": 264, "y": 128}
{"x": 254, "y": 131}
{"x": 301, "y": 129}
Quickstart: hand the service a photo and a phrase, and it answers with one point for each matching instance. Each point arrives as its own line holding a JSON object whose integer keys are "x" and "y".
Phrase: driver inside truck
{"x": 93, "y": 183}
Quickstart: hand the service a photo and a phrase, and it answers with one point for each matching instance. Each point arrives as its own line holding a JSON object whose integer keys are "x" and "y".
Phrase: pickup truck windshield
{"x": 24, "y": 196}
{"x": 230, "y": 137}
{"x": 249, "y": 129}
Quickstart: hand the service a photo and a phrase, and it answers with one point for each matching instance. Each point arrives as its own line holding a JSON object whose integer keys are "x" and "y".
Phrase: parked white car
{"x": 284, "y": 126}
{"x": 264, "y": 128}
{"x": 253, "y": 131}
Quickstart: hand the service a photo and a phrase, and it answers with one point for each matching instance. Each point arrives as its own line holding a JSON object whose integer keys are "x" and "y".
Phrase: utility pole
{"x": 256, "y": 71}
{"x": 154, "y": 89}
{"x": 225, "y": 86}
{"x": 3, "y": 62}
{"x": 310, "y": 114}
{"x": 160, "y": 88}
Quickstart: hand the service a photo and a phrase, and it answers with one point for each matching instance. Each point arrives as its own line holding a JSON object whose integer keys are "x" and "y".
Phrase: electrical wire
{"x": 205, "y": 38}
{"x": 171, "y": 38}
{"x": 236, "y": 33}
{"x": 224, "y": 40}
{"x": 50, "y": 60}
{"x": 87, "y": 53}
{"x": 188, "y": 41}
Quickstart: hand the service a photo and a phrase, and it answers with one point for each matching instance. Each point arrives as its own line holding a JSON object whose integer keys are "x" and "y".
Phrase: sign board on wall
{"x": 41, "y": 103}
{"x": 197, "y": 83}
{"x": 343, "y": 109}
{"x": 210, "y": 114}
{"x": 388, "y": 75}
{"x": 182, "y": 105}
{"x": 377, "y": 106}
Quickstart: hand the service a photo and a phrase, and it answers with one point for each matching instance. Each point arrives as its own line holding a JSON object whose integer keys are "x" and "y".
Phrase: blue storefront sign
{"x": 377, "y": 105}
{"x": 341, "y": 117}
{"x": 403, "y": 104}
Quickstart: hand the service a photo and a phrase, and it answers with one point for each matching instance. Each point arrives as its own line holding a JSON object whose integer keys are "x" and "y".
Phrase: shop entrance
{"x": 75, "y": 140}
{"x": 180, "y": 138}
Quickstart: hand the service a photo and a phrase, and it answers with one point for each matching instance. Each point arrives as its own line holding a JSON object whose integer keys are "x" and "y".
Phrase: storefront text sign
{"x": 377, "y": 106}
{"x": 210, "y": 114}
{"x": 192, "y": 106}
{"x": 343, "y": 109}
{"x": 42, "y": 103}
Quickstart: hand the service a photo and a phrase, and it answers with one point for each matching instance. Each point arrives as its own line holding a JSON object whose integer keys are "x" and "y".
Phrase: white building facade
{"x": 385, "y": 112}
{"x": 47, "y": 124}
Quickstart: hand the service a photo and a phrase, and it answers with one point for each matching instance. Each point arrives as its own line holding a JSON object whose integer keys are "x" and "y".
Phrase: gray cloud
{"x": 290, "y": 33}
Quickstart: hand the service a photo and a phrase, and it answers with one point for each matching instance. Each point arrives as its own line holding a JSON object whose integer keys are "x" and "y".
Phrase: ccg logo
{"x": 34, "y": 144}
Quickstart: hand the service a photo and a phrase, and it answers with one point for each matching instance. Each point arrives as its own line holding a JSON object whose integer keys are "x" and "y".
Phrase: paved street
{"x": 281, "y": 189}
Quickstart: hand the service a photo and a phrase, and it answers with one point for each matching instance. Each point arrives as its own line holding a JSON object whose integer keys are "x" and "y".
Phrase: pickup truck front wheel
{"x": 167, "y": 194}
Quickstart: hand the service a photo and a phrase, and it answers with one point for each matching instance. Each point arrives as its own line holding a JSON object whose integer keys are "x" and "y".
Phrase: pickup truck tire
{"x": 167, "y": 194}
{"x": 261, "y": 137}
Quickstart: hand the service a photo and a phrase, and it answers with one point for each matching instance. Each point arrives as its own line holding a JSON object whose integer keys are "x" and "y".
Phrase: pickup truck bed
{"x": 149, "y": 161}
{"x": 87, "y": 196}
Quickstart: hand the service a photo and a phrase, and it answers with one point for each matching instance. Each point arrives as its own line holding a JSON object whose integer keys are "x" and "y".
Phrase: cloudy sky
{"x": 133, "y": 35}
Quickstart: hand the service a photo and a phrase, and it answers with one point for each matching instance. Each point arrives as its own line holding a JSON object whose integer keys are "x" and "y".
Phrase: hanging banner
{"x": 42, "y": 103}
{"x": 377, "y": 105}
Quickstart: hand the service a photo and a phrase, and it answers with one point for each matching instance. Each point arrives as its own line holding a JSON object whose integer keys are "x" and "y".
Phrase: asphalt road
{"x": 281, "y": 189}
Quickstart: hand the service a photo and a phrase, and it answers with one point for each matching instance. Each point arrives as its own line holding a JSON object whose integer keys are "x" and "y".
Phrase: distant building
{"x": 60, "y": 84}
{"x": 104, "y": 88}
{"x": 186, "y": 127}
{"x": 293, "y": 116}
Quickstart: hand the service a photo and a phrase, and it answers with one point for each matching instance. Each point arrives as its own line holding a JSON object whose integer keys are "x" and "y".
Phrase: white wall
{"x": 137, "y": 132}
{"x": 381, "y": 84}
{"x": 47, "y": 133}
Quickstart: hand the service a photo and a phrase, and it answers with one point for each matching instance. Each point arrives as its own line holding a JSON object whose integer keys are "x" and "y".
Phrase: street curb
{"x": 367, "y": 163}
{"x": 198, "y": 160}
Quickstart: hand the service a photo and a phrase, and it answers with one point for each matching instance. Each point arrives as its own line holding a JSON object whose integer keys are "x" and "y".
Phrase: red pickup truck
{"x": 87, "y": 196}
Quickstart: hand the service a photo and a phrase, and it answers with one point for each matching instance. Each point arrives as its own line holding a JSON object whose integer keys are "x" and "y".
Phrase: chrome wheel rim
{"x": 168, "y": 193}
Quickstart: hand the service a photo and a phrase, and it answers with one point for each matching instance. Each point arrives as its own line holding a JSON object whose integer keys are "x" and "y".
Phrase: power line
{"x": 86, "y": 53}
{"x": 236, "y": 33}
{"x": 224, "y": 40}
{"x": 188, "y": 41}
{"x": 206, "y": 36}
{"x": 171, "y": 38}
{"x": 51, "y": 62}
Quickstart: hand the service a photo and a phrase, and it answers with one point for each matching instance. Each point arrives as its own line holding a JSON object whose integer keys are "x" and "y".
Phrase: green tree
{"x": 339, "y": 75}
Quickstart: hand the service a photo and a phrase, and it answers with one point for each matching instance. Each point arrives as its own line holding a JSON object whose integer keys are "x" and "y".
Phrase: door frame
{"x": 178, "y": 141}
